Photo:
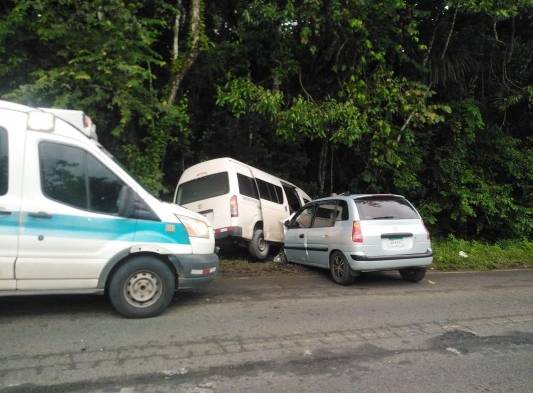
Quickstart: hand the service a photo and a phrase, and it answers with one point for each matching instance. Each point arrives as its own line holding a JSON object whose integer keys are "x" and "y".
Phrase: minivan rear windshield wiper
{"x": 382, "y": 218}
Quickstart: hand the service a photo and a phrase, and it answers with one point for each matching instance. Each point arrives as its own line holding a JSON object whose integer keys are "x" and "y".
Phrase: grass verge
{"x": 449, "y": 254}
{"x": 455, "y": 254}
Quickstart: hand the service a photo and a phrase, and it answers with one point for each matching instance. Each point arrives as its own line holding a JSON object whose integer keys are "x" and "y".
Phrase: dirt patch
{"x": 244, "y": 267}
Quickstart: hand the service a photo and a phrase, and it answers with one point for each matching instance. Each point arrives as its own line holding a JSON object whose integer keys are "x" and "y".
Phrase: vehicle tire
{"x": 258, "y": 246}
{"x": 142, "y": 287}
{"x": 413, "y": 274}
{"x": 340, "y": 269}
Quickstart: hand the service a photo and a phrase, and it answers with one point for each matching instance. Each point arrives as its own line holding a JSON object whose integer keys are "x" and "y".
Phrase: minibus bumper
{"x": 195, "y": 270}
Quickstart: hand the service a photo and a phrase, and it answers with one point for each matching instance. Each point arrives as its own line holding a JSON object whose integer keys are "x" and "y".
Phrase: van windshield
{"x": 203, "y": 188}
{"x": 384, "y": 208}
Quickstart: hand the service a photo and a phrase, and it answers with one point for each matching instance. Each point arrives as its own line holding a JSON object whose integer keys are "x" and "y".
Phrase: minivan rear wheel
{"x": 340, "y": 269}
{"x": 413, "y": 274}
{"x": 258, "y": 246}
{"x": 142, "y": 287}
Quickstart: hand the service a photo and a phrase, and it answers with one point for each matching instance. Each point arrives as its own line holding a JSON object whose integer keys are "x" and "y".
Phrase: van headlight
{"x": 194, "y": 227}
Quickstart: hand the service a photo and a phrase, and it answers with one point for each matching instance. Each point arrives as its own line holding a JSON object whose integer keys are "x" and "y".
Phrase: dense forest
{"x": 429, "y": 99}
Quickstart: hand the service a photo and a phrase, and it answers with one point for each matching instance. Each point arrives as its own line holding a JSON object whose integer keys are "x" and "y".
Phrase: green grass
{"x": 481, "y": 256}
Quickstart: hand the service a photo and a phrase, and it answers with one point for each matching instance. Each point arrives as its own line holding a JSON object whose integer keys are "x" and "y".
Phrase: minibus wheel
{"x": 413, "y": 274}
{"x": 340, "y": 269}
{"x": 258, "y": 246}
{"x": 142, "y": 287}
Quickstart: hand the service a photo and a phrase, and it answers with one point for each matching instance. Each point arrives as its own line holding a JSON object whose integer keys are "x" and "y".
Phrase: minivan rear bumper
{"x": 385, "y": 262}
{"x": 195, "y": 270}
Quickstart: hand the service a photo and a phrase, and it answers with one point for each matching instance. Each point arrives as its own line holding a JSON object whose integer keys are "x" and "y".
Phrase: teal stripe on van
{"x": 82, "y": 227}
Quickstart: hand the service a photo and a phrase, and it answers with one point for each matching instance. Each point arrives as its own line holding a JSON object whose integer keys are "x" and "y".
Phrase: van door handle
{"x": 301, "y": 236}
{"x": 40, "y": 215}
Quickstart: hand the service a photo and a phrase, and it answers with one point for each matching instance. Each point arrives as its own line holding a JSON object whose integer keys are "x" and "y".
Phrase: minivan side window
{"x": 304, "y": 218}
{"x": 4, "y": 162}
{"x": 72, "y": 176}
{"x": 247, "y": 186}
{"x": 343, "y": 213}
{"x": 325, "y": 214}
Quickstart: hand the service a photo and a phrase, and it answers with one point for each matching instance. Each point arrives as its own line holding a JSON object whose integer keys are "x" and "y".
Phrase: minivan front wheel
{"x": 142, "y": 287}
{"x": 413, "y": 274}
{"x": 258, "y": 246}
{"x": 340, "y": 269}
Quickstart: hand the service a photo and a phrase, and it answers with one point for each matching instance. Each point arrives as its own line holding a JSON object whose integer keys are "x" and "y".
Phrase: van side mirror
{"x": 287, "y": 223}
{"x": 126, "y": 202}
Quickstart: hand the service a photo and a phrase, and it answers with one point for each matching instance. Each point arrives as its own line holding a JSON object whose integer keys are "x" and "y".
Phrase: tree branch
{"x": 449, "y": 34}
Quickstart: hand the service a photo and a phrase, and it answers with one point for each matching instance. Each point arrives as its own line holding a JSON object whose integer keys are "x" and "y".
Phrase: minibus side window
{"x": 63, "y": 173}
{"x": 74, "y": 177}
{"x": 104, "y": 187}
{"x": 4, "y": 165}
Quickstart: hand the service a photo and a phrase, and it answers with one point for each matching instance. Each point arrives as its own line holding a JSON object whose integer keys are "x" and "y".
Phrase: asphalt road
{"x": 462, "y": 332}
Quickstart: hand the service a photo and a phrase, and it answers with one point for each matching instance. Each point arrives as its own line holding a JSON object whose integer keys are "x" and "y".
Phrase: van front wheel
{"x": 142, "y": 287}
{"x": 258, "y": 246}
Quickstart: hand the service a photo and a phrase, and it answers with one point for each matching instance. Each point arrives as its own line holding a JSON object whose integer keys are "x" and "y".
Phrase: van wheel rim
{"x": 261, "y": 243}
{"x": 143, "y": 289}
{"x": 339, "y": 267}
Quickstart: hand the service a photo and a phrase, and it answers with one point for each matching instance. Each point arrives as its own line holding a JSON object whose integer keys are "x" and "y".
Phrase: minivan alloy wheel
{"x": 338, "y": 266}
{"x": 143, "y": 288}
{"x": 341, "y": 271}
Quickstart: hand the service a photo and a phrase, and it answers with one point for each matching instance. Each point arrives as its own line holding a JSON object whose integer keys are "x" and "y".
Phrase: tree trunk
{"x": 183, "y": 64}
{"x": 322, "y": 166}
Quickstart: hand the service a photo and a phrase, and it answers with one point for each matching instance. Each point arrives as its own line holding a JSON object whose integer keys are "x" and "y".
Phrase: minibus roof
{"x": 76, "y": 118}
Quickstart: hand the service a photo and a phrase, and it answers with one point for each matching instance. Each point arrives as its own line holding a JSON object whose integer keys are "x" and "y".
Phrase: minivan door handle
{"x": 40, "y": 215}
{"x": 301, "y": 236}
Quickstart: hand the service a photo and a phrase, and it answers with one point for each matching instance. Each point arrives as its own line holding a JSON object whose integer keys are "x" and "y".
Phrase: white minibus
{"x": 243, "y": 204}
{"x": 73, "y": 221}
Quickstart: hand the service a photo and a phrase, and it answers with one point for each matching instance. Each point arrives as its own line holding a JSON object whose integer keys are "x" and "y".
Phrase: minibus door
{"x": 12, "y": 135}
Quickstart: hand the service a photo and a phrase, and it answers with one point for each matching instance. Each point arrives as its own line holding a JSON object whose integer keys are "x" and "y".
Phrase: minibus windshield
{"x": 203, "y": 188}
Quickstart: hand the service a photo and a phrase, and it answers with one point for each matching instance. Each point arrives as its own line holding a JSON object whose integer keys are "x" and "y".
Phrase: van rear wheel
{"x": 142, "y": 287}
{"x": 413, "y": 274}
{"x": 258, "y": 246}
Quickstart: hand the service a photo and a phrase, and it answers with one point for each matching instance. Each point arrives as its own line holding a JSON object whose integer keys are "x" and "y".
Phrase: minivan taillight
{"x": 357, "y": 236}
{"x": 427, "y": 232}
{"x": 233, "y": 206}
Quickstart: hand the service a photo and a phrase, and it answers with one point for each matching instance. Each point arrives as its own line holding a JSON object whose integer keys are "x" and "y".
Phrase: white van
{"x": 243, "y": 203}
{"x": 73, "y": 221}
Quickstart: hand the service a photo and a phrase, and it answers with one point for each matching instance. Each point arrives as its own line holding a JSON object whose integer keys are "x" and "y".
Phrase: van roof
{"x": 233, "y": 160}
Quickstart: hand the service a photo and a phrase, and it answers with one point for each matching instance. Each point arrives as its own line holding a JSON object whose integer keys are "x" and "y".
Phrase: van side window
{"x": 247, "y": 186}
{"x": 292, "y": 198}
{"x": 325, "y": 215}
{"x": 269, "y": 191}
{"x": 72, "y": 176}
{"x": 4, "y": 164}
{"x": 63, "y": 173}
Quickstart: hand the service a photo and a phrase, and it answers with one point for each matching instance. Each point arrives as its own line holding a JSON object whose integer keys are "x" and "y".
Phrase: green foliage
{"x": 431, "y": 99}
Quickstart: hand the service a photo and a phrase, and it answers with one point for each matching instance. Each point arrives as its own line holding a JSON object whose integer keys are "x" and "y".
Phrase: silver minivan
{"x": 358, "y": 233}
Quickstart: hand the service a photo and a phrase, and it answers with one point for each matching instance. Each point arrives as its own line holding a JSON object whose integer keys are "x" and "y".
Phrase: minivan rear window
{"x": 3, "y": 162}
{"x": 384, "y": 208}
{"x": 203, "y": 188}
